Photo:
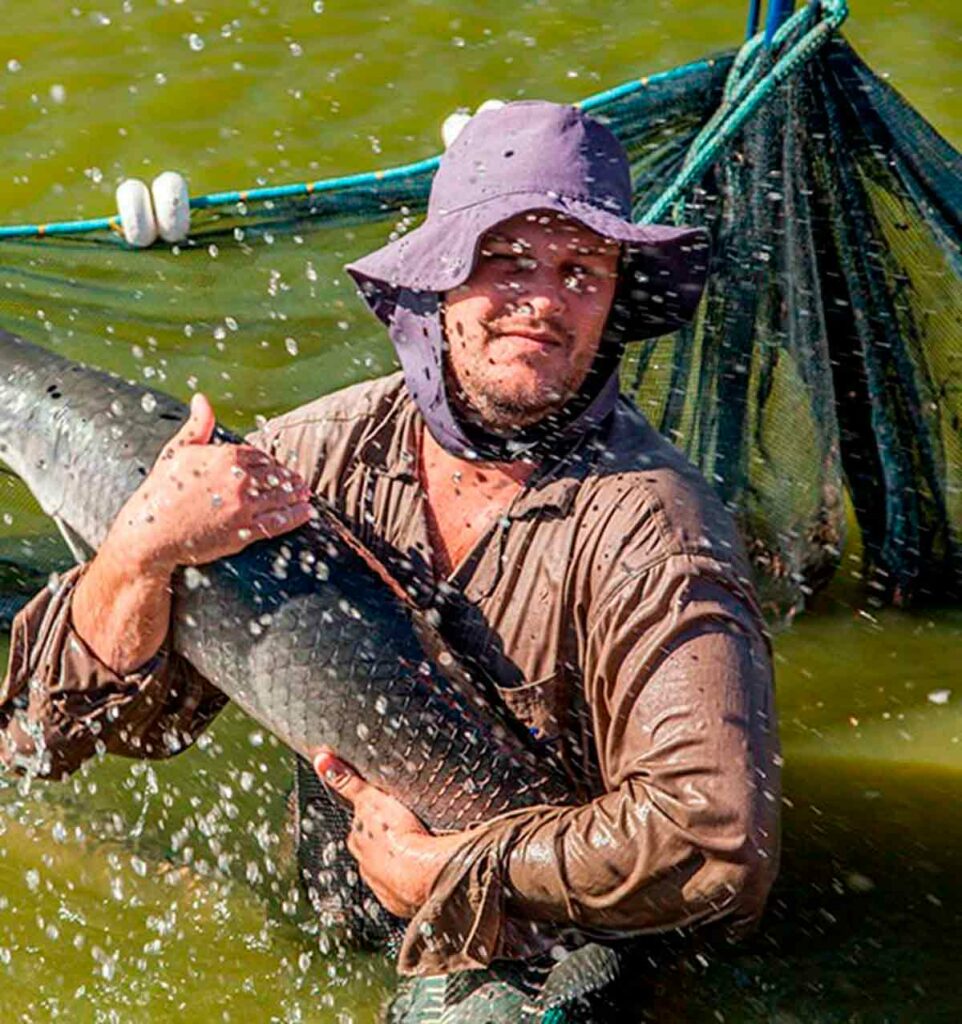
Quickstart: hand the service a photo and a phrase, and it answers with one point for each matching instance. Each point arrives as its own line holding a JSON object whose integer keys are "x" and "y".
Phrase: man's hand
{"x": 199, "y": 503}
{"x": 397, "y": 856}
{"x": 203, "y": 501}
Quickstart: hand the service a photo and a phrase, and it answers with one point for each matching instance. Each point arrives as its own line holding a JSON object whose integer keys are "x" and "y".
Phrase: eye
{"x": 510, "y": 262}
{"x": 576, "y": 275}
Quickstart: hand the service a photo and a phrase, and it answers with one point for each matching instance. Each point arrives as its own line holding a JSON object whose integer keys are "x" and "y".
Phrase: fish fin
{"x": 79, "y": 548}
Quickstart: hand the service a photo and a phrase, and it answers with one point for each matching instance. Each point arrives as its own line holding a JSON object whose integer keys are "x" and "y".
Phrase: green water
{"x": 153, "y": 893}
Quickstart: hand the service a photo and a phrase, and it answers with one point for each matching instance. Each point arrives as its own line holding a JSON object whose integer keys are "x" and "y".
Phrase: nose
{"x": 543, "y": 294}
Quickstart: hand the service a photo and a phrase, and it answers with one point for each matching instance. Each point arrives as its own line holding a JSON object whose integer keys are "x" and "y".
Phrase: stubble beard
{"x": 484, "y": 398}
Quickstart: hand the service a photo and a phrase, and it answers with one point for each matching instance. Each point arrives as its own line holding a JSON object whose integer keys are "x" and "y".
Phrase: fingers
{"x": 263, "y": 475}
{"x": 249, "y": 457}
{"x": 199, "y": 427}
{"x": 271, "y": 478}
{"x": 339, "y": 776}
{"x": 277, "y": 521}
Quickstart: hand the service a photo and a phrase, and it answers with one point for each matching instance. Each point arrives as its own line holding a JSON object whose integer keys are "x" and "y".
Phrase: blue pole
{"x": 754, "y": 9}
{"x": 778, "y": 12}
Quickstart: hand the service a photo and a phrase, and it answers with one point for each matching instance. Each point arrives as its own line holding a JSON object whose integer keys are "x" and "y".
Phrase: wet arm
{"x": 678, "y": 680}
{"x": 59, "y": 703}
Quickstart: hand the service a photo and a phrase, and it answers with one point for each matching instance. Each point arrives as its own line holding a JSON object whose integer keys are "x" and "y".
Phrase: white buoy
{"x": 451, "y": 128}
{"x": 171, "y": 206}
{"x": 136, "y": 213}
{"x": 454, "y": 123}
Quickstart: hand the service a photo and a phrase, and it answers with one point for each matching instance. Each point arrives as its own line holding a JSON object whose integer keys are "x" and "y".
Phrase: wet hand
{"x": 397, "y": 856}
{"x": 203, "y": 501}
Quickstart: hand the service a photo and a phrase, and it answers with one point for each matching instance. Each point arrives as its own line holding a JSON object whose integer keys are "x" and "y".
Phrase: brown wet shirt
{"x": 610, "y": 606}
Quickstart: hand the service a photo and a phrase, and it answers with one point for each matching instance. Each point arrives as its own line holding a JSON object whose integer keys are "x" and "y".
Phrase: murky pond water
{"x": 150, "y": 893}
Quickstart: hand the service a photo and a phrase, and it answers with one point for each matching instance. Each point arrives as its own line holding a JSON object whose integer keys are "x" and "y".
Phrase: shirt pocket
{"x": 540, "y": 706}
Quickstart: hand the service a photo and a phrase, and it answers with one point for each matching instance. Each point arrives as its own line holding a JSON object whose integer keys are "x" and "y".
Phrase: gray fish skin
{"x": 299, "y": 631}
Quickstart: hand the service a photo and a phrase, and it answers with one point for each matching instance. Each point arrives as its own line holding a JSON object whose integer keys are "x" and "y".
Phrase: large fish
{"x": 302, "y": 632}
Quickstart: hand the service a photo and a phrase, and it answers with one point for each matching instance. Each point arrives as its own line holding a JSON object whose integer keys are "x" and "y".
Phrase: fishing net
{"x": 824, "y": 359}
{"x": 826, "y": 353}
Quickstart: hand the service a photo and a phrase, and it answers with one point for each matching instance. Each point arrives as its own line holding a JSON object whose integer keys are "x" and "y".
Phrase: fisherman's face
{"x": 524, "y": 329}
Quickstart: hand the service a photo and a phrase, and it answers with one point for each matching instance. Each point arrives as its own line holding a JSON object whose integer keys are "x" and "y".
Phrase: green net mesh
{"x": 824, "y": 358}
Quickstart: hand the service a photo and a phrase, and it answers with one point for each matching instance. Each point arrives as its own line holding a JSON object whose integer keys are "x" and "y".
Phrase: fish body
{"x": 301, "y": 631}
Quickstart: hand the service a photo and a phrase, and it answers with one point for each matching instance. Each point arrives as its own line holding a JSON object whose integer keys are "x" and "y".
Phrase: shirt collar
{"x": 393, "y": 447}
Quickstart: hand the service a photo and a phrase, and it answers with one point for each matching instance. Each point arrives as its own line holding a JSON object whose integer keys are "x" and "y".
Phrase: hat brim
{"x": 666, "y": 266}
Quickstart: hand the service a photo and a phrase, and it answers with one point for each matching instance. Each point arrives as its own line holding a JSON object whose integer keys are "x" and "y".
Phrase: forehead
{"x": 549, "y": 229}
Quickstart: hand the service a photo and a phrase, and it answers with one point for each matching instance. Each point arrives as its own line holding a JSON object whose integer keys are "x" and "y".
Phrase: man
{"x": 569, "y": 553}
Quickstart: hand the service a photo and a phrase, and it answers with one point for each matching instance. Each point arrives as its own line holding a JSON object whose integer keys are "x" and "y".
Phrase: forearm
{"x": 59, "y": 701}
{"x": 689, "y": 826}
{"x": 121, "y": 610}
{"x": 628, "y": 862}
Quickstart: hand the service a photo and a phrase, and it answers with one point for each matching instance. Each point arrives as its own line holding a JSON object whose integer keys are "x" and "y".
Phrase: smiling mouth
{"x": 536, "y": 336}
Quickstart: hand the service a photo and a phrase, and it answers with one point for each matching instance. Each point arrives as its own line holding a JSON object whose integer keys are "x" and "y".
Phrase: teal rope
{"x": 367, "y": 178}
{"x": 739, "y": 107}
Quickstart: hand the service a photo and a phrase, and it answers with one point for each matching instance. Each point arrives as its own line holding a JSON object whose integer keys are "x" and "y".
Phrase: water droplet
{"x": 858, "y": 882}
{"x": 291, "y": 345}
{"x": 148, "y": 403}
{"x": 193, "y": 577}
{"x": 195, "y": 42}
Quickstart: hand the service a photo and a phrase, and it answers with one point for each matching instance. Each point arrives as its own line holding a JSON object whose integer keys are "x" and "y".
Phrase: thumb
{"x": 339, "y": 776}
{"x": 199, "y": 427}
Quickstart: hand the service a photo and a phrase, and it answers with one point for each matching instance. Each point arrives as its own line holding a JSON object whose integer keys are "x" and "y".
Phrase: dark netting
{"x": 826, "y": 353}
{"x": 329, "y": 873}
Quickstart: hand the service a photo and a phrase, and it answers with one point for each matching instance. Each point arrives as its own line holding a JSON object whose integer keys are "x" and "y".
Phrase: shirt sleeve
{"x": 678, "y": 680}
{"x": 59, "y": 704}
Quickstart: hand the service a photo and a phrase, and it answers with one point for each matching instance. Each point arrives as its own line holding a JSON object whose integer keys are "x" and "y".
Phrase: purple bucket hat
{"x": 524, "y": 156}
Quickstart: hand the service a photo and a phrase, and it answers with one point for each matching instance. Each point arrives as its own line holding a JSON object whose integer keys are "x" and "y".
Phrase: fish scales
{"x": 301, "y": 631}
